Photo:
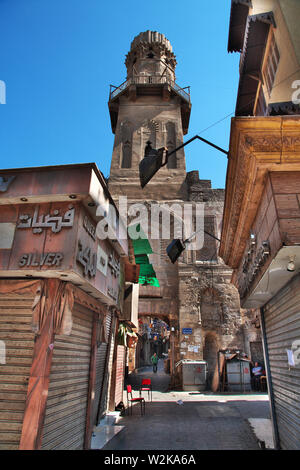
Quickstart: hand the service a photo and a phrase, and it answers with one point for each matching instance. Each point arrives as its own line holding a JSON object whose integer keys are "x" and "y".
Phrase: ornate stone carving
{"x": 149, "y": 131}
{"x": 265, "y": 143}
{"x": 290, "y": 143}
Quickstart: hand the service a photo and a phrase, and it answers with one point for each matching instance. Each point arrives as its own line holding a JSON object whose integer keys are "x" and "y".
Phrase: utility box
{"x": 194, "y": 375}
{"x": 238, "y": 376}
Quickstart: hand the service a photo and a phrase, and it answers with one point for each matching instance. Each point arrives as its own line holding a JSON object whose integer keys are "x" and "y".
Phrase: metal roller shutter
{"x": 120, "y": 374}
{"x": 110, "y": 363}
{"x": 100, "y": 370}
{"x": 18, "y": 340}
{"x": 282, "y": 323}
{"x": 103, "y": 366}
{"x": 65, "y": 417}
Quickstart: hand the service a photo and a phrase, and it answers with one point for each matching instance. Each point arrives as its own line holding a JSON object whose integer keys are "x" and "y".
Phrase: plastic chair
{"x": 132, "y": 400}
{"x": 146, "y": 387}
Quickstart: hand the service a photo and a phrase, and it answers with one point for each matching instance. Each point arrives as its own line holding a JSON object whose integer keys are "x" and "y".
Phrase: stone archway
{"x": 154, "y": 336}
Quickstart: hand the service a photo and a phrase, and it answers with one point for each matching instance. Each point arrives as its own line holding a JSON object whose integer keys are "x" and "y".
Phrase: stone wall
{"x": 208, "y": 303}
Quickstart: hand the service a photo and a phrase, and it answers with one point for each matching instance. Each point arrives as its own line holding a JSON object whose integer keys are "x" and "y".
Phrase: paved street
{"x": 204, "y": 421}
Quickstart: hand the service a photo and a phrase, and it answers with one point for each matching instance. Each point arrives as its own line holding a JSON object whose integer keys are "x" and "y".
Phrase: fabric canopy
{"x": 142, "y": 248}
{"x": 139, "y": 239}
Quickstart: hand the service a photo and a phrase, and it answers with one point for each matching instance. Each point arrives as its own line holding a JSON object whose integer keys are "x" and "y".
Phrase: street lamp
{"x": 177, "y": 246}
{"x": 151, "y": 163}
{"x": 155, "y": 159}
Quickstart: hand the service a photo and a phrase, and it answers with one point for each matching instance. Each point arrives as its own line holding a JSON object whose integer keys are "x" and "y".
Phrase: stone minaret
{"x": 195, "y": 292}
{"x": 148, "y": 106}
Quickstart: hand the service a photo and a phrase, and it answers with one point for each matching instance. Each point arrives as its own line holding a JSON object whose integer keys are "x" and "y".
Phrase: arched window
{"x": 149, "y": 131}
{"x": 126, "y": 155}
{"x": 172, "y": 159}
{"x": 171, "y": 144}
{"x": 126, "y": 145}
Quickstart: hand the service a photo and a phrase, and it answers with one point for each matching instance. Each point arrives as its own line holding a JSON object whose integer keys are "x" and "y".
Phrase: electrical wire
{"x": 246, "y": 105}
{"x": 191, "y": 262}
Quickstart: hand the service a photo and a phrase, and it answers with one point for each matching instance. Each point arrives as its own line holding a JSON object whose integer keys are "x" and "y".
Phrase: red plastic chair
{"x": 132, "y": 400}
{"x": 146, "y": 387}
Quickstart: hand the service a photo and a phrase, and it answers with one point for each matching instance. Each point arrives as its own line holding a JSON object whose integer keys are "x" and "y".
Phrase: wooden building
{"x": 261, "y": 225}
{"x": 61, "y": 300}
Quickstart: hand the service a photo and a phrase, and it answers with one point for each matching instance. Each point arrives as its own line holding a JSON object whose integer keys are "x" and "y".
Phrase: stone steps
{"x": 106, "y": 432}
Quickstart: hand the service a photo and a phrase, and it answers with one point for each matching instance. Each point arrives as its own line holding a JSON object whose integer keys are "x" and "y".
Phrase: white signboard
{"x": 102, "y": 260}
{"x": 7, "y": 231}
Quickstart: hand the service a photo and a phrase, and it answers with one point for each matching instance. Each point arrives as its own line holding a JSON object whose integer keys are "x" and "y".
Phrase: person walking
{"x": 154, "y": 361}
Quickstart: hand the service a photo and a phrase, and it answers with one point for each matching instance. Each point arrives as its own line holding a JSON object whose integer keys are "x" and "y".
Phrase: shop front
{"x": 261, "y": 242}
{"x": 61, "y": 296}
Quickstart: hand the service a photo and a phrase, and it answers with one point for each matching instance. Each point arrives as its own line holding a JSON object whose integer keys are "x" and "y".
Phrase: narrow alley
{"x": 150, "y": 229}
{"x": 204, "y": 421}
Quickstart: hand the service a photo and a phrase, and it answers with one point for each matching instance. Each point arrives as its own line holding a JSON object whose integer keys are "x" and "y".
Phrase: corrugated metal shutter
{"x": 65, "y": 418}
{"x": 18, "y": 339}
{"x": 282, "y": 322}
{"x": 103, "y": 395}
{"x": 120, "y": 374}
{"x": 101, "y": 360}
{"x": 100, "y": 370}
{"x": 110, "y": 362}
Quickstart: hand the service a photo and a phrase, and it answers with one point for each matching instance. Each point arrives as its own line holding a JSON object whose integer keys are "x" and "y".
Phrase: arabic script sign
{"x": 56, "y": 222}
{"x": 87, "y": 259}
{"x": 254, "y": 260}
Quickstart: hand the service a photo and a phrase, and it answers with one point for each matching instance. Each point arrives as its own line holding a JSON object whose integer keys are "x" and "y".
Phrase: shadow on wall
{"x": 210, "y": 355}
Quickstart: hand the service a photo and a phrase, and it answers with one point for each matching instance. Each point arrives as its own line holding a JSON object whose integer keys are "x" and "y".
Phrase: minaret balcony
{"x": 148, "y": 84}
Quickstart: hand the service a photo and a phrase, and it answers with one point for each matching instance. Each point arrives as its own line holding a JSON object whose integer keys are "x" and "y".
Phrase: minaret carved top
{"x": 151, "y": 37}
{"x": 150, "y": 54}
{"x": 149, "y": 106}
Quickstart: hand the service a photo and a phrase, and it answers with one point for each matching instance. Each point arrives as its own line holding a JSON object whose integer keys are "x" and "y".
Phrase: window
{"x": 171, "y": 144}
{"x": 126, "y": 155}
{"x": 271, "y": 65}
{"x": 172, "y": 159}
{"x": 261, "y": 106}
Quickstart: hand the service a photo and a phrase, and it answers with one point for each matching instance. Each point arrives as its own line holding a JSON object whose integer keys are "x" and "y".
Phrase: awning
{"x": 141, "y": 259}
{"x": 238, "y": 19}
{"x": 149, "y": 281}
{"x": 147, "y": 270}
{"x": 141, "y": 245}
{"x": 141, "y": 248}
{"x": 256, "y": 35}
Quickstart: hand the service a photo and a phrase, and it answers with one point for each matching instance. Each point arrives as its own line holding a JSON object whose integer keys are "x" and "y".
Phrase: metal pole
{"x": 173, "y": 359}
{"x": 269, "y": 379}
{"x": 219, "y": 384}
{"x": 241, "y": 382}
{"x": 203, "y": 140}
{"x": 200, "y": 230}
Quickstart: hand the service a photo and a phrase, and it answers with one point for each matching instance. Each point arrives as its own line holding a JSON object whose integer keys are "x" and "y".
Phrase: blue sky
{"x": 58, "y": 58}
